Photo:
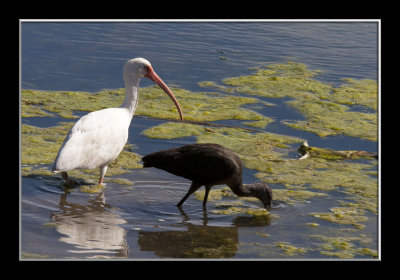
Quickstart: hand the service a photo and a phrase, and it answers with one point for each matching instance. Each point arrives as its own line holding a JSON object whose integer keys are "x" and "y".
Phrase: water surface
{"x": 141, "y": 221}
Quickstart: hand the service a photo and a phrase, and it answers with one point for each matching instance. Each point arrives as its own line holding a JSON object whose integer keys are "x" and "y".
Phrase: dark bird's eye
{"x": 146, "y": 68}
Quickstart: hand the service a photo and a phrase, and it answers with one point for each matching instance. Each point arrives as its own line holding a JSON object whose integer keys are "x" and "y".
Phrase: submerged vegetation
{"x": 348, "y": 109}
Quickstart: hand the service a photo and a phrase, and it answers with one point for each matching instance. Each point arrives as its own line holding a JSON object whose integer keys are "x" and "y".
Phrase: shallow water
{"x": 141, "y": 221}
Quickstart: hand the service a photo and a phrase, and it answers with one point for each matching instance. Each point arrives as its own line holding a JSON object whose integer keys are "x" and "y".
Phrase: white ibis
{"x": 208, "y": 165}
{"x": 97, "y": 138}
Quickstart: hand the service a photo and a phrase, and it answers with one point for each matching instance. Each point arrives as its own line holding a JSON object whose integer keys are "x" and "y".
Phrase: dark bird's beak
{"x": 268, "y": 206}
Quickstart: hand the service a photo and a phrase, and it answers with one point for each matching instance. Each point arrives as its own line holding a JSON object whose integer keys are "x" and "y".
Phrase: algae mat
{"x": 347, "y": 109}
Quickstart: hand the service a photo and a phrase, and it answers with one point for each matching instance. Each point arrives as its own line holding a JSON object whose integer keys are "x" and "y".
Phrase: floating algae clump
{"x": 289, "y": 249}
{"x": 232, "y": 207}
{"x": 344, "y": 246}
{"x": 295, "y": 196}
{"x": 40, "y": 146}
{"x": 281, "y": 80}
{"x": 153, "y": 103}
{"x": 328, "y": 118}
{"x": 64, "y": 103}
{"x": 91, "y": 188}
{"x": 234, "y": 210}
{"x": 344, "y": 215}
{"x": 254, "y": 149}
{"x": 215, "y": 194}
{"x": 357, "y": 92}
{"x": 302, "y": 180}
{"x": 328, "y": 109}
{"x": 197, "y": 106}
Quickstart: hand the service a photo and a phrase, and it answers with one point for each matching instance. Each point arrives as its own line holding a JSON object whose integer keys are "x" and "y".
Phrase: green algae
{"x": 40, "y": 147}
{"x": 295, "y": 196}
{"x": 328, "y": 109}
{"x": 173, "y": 130}
{"x": 65, "y": 103}
{"x": 197, "y": 106}
{"x": 153, "y": 103}
{"x": 273, "y": 249}
{"x": 289, "y": 249}
{"x": 261, "y": 123}
{"x": 357, "y": 92}
{"x": 344, "y": 216}
{"x": 344, "y": 246}
{"x": 312, "y": 224}
{"x": 215, "y": 86}
{"x": 267, "y": 153}
{"x": 215, "y": 194}
{"x": 321, "y": 174}
{"x": 91, "y": 188}
{"x": 235, "y": 205}
{"x": 280, "y": 80}
{"x": 26, "y": 255}
{"x": 326, "y": 118}
{"x": 234, "y": 210}
{"x": 302, "y": 180}
{"x": 307, "y": 151}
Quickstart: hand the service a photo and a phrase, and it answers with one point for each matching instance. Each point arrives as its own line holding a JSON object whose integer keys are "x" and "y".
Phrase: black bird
{"x": 208, "y": 165}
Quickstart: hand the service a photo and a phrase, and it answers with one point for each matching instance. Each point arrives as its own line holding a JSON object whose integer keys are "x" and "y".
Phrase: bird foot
{"x": 70, "y": 183}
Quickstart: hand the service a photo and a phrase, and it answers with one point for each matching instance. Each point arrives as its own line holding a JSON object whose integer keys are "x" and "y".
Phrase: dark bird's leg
{"x": 193, "y": 187}
{"x": 206, "y": 195}
{"x": 64, "y": 175}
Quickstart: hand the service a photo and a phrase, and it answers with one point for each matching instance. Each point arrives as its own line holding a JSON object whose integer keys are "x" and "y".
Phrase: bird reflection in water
{"x": 199, "y": 241}
{"x": 92, "y": 228}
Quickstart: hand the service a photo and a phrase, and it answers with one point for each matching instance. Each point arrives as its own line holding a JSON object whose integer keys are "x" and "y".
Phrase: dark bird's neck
{"x": 241, "y": 189}
{"x": 258, "y": 190}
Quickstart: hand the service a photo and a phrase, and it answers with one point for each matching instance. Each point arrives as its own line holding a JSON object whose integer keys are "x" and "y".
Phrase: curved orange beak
{"x": 156, "y": 79}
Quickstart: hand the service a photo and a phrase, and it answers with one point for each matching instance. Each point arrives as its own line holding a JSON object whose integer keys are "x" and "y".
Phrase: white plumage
{"x": 97, "y": 138}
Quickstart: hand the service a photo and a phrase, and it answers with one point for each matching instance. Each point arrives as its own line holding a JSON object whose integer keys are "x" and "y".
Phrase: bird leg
{"x": 193, "y": 187}
{"x": 206, "y": 195}
{"x": 64, "y": 175}
{"x": 103, "y": 170}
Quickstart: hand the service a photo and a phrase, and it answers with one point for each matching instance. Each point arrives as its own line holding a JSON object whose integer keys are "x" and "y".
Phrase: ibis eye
{"x": 146, "y": 68}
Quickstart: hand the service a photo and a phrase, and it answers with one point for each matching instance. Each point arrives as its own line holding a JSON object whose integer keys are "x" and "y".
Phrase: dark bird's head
{"x": 264, "y": 193}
